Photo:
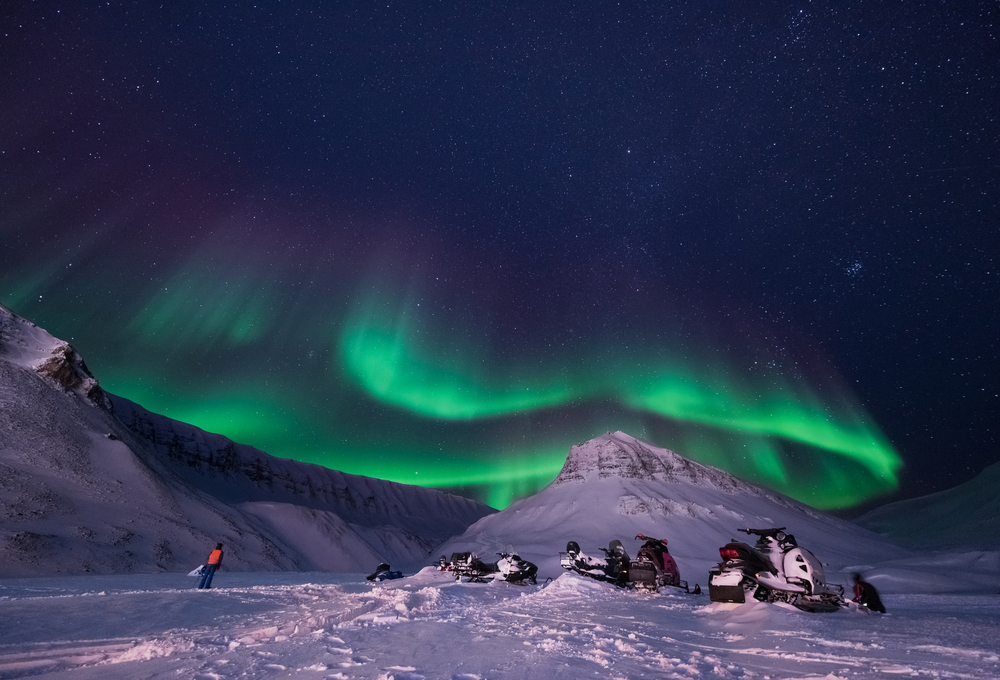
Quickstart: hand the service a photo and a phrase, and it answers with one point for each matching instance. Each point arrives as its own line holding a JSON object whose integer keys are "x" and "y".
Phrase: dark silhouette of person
{"x": 865, "y": 594}
{"x": 214, "y": 562}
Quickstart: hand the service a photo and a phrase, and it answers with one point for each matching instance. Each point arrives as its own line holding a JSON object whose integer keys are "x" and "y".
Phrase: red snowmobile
{"x": 654, "y": 566}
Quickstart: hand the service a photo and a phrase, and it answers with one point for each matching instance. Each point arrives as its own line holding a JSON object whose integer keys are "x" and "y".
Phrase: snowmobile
{"x": 383, "y": 573}
{"x": 613, "y": 568}
{"x": 654, "y": 566}
{"x": 469, "y": 564}
{"x": 775, "y": 569}
{"x": 510, "y": 568}
{"x": 513, "y": 569}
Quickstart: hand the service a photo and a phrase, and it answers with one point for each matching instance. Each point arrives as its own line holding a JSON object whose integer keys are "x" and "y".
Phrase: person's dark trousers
{"x": 206, "y": 578}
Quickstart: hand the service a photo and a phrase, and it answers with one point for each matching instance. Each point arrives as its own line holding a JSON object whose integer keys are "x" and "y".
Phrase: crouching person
{"x": 865, "y": 594}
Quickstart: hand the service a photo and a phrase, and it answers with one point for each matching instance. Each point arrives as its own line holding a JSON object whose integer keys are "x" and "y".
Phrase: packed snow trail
{"x": 428, "y": 626}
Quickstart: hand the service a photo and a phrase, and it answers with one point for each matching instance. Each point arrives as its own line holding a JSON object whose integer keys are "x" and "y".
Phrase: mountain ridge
{"x": 964, "y": 515}
{"x": 91, "y": 482}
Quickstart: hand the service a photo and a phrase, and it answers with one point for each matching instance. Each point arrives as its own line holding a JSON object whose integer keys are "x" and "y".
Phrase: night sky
{"x": 439, "y": 243}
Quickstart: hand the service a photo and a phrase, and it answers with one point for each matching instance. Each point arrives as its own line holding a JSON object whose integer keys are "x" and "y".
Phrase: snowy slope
{"x": 968, "y": 514}
{"x": 616, "y": 486}
{"x": 90, "y": 482}
{"x": 427, "y": 626}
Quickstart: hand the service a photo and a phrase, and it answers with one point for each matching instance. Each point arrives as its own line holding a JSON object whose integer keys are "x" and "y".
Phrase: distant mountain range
{"x": 966, "y": 515}
{"x": 91, "y": 482}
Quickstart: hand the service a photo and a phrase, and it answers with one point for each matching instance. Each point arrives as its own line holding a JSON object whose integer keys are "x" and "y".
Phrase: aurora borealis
{"x": 440, "y": 245}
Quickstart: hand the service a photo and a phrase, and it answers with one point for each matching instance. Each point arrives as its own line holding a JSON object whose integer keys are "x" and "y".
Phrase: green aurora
{"x": 381, "y": 386}
{"x": 384, "y": 350}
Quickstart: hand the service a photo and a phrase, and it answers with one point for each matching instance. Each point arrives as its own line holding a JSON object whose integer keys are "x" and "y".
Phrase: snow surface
{"x": 322, "y": 625}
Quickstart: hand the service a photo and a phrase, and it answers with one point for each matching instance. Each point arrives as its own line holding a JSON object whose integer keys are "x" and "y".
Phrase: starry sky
{"x": 441, "y": 242}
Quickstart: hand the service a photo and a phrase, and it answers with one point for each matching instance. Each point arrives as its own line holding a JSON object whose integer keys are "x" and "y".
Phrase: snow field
{"x": 326, "y": 626}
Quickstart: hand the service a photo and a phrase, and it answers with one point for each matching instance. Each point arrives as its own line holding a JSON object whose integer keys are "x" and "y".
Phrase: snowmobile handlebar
{"x": 762, "y": 532}
{"x": 644, "y": 537}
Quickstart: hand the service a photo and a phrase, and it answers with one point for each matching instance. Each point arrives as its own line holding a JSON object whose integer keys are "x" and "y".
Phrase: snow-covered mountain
{"x": 966, "y": 515}
{"x": 616, "y": 486}
{"x": 90, "y": 482}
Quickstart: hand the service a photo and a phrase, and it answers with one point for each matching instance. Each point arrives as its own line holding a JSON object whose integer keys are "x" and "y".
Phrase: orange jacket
{"x": 215, "y": 557}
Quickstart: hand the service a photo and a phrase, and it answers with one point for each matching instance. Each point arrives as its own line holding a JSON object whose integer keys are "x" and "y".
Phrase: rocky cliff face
{"x": 237, "y": 473}
{"x": 23, "y": 343}
{"x": 616, "y": 454}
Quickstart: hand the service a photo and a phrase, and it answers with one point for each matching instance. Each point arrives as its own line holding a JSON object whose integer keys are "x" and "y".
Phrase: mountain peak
{"x": 620, "y": 455}
{"x": 25, "y": 344}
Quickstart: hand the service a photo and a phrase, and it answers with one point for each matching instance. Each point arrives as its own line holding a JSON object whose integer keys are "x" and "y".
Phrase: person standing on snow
{"x": 214, "y": 562}
{"x": 865, "y": 594}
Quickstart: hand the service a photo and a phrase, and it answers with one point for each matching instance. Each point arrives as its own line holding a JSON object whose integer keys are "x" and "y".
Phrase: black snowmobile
{"x": 510, "y": 568}
{"x": 774, "y": 569}
{"x": 384, "y": 573}
{"x": 652, "y": 568}
{"x": 613, "y": 568}
{"x": 469, "y": 564}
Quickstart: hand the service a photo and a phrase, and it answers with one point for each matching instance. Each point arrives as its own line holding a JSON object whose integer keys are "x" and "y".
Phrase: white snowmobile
{"x": 775, "y": 569}
{"x": 512, "y": 569}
